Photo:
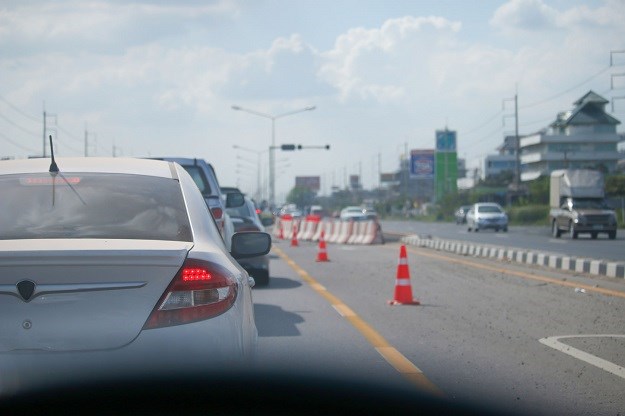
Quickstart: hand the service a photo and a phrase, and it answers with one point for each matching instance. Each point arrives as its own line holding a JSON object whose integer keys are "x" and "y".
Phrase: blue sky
{"x": 158, "y": 78}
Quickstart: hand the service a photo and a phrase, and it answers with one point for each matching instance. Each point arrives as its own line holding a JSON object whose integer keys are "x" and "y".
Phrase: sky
{"x": 160, "y": 78}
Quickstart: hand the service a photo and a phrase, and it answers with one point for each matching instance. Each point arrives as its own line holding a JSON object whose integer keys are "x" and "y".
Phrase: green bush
{"x": 529, "y": 215}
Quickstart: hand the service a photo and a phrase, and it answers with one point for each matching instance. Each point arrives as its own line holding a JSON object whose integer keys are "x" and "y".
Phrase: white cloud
{"x": 377, "y": 63}
{"x": 527, "y": 15}
{"x": 536, "y": 16}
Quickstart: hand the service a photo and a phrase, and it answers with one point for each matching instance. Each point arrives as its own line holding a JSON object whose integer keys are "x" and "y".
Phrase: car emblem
{"x": 26, "y": 288}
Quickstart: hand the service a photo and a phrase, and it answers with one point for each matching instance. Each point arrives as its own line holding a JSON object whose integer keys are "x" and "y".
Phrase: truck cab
{"x": 576, "y": 197}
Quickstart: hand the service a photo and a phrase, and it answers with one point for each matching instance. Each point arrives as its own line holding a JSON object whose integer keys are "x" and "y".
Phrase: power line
{"x": 553, "y": 97}
{"x": 494, "y": 117}
{"x": 16, "y": 144}
{"x": 17, "y": 125}
{"x": 31, "y": 117}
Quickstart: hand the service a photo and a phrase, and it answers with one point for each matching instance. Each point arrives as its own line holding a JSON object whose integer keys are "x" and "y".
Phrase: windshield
{"x": 92, "y": 206}
{"x": 486, "y": 209}
{"x": 589, "y": 204}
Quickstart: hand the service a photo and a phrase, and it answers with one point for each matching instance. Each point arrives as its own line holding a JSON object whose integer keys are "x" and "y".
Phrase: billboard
{"x": 309, "y": 182}
{"x": 422, "y": 163}
{"x": 445, "y": 141}
{"x": 388, "y": 177}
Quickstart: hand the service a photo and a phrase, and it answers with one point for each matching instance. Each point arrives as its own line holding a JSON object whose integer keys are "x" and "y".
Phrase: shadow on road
{"x": 273, "y": 321}
{"x": 279, "y": 283}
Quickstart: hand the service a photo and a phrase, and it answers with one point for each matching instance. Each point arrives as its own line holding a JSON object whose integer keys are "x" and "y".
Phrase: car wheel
{"x": 572, "y": 232}
{"x": 555, "y": 231}
{"x": 261, "y": 277}
{"x": 505, "y": 229}
{"x": 593, "y": 236}
{"x": 612, "y": 235}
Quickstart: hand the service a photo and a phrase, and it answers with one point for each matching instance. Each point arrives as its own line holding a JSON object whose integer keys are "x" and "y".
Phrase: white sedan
{"x": 113, "y": 265}
{"x": 485, "y": 215}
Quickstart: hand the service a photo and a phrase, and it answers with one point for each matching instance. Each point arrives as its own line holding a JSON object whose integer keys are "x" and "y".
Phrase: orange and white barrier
{"x": 334, "y": 230}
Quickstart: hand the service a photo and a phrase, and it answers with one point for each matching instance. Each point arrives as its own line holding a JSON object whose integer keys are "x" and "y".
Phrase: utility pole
{"x": 517, "y": 147}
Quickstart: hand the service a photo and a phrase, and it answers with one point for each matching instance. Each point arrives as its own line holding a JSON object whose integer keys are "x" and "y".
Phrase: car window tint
{"x": 488, "y": 208}
{"x": 116, "y": 206}
{"x": 199, "y": 178}
{"x": 242, "y": 211}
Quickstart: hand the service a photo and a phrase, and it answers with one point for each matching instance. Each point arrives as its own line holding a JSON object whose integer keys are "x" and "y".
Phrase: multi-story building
{"x": 504, "y": 161}
{"x": 584, "y": 137}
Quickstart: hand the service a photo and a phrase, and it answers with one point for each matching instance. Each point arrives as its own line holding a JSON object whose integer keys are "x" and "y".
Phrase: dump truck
{"x": 577, "y": 204}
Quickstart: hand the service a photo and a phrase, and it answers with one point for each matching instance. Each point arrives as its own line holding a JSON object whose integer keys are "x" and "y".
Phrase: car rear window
{"x": 114, "y": 206}
{"x": 199, "y": 178}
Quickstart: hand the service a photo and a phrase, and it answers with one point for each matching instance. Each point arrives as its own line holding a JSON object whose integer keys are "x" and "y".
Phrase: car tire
{"x": 555, "y": 231}
{"x": 593, "y": 236}
{"x": 612, "y": 235}
{"x": 262, "y": 278}
{"x": 505, "y": 229}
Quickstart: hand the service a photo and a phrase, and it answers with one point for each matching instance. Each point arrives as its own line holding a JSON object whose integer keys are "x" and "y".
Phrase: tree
{"x": 301, "y": 196}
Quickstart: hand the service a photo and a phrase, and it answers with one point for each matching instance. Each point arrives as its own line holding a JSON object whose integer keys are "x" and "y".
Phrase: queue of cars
{"x": 108, "y": 262}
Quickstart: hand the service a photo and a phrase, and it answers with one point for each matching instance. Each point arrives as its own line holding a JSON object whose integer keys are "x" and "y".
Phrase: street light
{"x": 259, "y": 191}
{"x": 272, "y": 169}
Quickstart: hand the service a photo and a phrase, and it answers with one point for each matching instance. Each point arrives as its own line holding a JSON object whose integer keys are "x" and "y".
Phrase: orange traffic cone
{"x": 322, "y": 254}
{"x": 294, "y": 242}
{"x": 403, "y": 290}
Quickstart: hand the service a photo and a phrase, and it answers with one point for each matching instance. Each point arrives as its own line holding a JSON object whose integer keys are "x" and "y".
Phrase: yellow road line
{"x": 544, "y": 279}
{"x": 395, "y": 358}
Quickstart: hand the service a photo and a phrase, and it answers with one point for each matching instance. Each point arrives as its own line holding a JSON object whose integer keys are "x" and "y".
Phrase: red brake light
{"x": 258, "y": 211}
{"x": 201, "y": 290}
{"x": 217, "y": 212}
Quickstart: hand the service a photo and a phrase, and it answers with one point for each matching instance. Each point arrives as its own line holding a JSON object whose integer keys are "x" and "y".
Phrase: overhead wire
{"x": 28, "y": 149}
{"x": 553, "y": 97}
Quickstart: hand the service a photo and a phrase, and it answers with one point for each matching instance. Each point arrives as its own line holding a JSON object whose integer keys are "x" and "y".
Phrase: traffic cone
{"x": 322, "y": 254}
{"x": 403, "y": 290}
{"x": 294, "y": 242}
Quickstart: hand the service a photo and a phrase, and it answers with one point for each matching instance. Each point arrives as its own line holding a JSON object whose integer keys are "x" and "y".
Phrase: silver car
{"x": 485, "y": 215}
{"x": 112, "y": 265}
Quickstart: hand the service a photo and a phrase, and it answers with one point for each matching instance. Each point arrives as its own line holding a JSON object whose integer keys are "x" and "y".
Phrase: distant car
{"x": 107, "y": 263}
{"x": 485, "y": 215}
{"x": 461, "y": 214}
{"x": 245, "y": 218}
{"x": 352, "y": 213}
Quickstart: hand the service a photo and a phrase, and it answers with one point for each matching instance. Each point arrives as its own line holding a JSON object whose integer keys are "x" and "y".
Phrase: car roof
{"x": 127, "y": 165}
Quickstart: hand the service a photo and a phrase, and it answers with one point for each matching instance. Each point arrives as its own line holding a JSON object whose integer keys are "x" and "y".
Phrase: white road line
{"x": 608, "y": 366}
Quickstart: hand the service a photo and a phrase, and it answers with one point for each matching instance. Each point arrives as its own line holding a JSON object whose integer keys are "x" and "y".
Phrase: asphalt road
{"x": 529, "y": 238}
{"x": 505, "y": 335}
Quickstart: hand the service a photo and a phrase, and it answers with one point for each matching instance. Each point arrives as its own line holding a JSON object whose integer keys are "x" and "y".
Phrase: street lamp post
{"x": 272, "y": 169}
{"x": 259, "y": 191}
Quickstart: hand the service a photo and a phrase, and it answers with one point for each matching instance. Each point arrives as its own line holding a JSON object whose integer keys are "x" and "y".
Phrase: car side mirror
{"x": 250, "y": 244}
{"x": 234, "y": 199}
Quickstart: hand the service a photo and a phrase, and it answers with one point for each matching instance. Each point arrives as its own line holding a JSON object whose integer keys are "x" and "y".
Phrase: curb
{"x": 554, "y": 261}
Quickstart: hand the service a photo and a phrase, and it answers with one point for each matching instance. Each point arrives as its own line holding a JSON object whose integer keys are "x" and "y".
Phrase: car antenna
{"x": 53, "y": 167}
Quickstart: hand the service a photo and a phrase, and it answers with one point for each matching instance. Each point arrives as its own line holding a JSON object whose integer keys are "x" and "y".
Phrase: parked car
{"x": 245, "y": 218}
{"x": 115, "y": 265}
{"x": 205, "y": 178}
{"x": 352, "y": 213}
{"x": 485, "y": 215}
{"x": 461, "y": 214}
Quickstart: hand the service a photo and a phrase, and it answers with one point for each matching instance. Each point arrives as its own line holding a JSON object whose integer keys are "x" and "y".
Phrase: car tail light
{"x": 217, "y": 212}
{"x": 200, "y": 290}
